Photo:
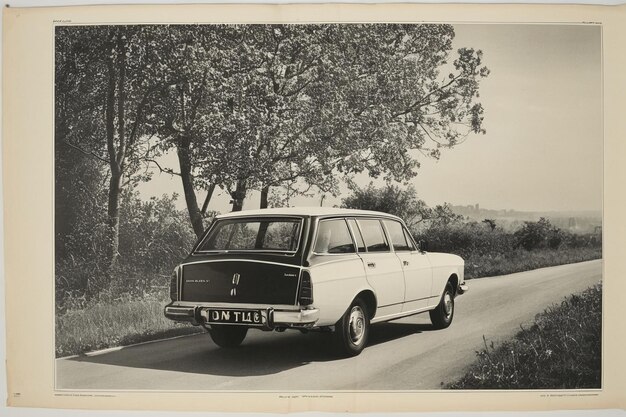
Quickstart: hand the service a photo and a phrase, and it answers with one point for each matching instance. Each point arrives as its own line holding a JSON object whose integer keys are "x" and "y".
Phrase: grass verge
{"x": 108, "y": 324}
{"x": 116, "y": 323}
{"x": 477, "y": 266}
{"x": 561, "y": 350}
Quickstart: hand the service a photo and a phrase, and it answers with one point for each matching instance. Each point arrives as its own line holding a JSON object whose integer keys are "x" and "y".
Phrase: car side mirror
{"x": 422, "y": 245}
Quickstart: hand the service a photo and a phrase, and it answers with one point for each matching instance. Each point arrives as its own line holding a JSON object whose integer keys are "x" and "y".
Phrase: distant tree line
{"x": 446, "y": 231}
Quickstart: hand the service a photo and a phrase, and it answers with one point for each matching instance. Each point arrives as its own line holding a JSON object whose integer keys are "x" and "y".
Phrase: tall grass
{"x": 113, "y": 323}
{"x": 518, "y": 260}
{"x": 561, "y": 350}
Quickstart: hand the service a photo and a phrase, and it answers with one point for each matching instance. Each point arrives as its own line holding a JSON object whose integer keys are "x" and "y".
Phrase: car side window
{"x": 409, "y": 239}
{"x": 397, "y": 236}
{"x": 373, "y": 235}
{"x": 357, "y": 235}
{"x": 333, "y": 236}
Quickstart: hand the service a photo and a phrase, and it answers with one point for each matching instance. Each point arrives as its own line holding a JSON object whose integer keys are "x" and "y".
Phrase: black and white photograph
{"x": 328, "y": 207}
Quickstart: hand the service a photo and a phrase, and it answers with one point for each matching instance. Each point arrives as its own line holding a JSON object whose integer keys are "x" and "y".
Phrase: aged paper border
{"x": 28, "y": 205}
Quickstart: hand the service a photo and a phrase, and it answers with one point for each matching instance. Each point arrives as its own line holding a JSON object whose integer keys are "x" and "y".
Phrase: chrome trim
{"x": 240, "y": 260}
{"x": 285, "y": 307}
{"x": 463, "y": 288}
{"x": 332, "y": 261}
{"x": 399, "y": 315}
{"x": 295, "y": 301}
{"x": 354, "y": 234}
{"x": 273, "y": 316}
{"x": 182, "y": 265}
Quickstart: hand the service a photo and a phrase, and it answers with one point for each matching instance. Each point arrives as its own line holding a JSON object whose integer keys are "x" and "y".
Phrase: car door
{"x": 416, "y": 267}
{"x": 383, "y": 268}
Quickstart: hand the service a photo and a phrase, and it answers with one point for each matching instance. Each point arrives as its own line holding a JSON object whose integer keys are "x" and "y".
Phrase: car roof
{"x": 306, "y": 212}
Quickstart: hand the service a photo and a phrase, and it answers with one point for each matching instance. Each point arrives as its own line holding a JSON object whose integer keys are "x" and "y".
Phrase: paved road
{"x": 403, "y": 355}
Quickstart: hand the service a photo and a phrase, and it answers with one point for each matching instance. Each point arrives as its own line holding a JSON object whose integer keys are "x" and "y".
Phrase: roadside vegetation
{"x": 96, "y": 310}
{"x": 560, "y": 350}
{"x": 119, "y": 322}
{"x": 487, "y": 248}
{"x": 248, "y": 109}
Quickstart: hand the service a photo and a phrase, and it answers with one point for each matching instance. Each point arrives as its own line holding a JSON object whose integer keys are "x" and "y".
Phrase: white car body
{"x": 374, "y": 261}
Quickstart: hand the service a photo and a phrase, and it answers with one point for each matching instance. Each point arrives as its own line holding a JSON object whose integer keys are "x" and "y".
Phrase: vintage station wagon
{"x": 311, "y": 268}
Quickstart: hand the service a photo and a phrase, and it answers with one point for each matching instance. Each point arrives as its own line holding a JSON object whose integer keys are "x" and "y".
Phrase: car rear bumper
{"x": 271, "y": 317}
{"x": 463, "y": 288}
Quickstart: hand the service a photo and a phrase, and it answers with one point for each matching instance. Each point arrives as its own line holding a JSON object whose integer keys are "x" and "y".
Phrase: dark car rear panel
{"x": 240, "y": 281}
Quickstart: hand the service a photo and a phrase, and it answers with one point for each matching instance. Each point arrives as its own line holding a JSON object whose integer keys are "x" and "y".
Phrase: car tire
{"x": 228, "y": 336}
{"x": 352, "y": 330}
{"x": 442, "y": 315}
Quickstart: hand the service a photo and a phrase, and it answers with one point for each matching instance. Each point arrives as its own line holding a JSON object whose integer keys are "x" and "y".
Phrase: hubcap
{"x": 448, "y": 304}
{"x": 357, "y": 325}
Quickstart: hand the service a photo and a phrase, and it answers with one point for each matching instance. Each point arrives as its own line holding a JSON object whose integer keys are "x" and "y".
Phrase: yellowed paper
{"x": 29, "y": 183}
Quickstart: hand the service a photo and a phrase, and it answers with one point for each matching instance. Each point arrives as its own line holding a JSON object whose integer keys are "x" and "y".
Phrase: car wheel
{"x": 352, "y": 330}
{"x": 228, "y": 336}
{"x": 442, "y": 315}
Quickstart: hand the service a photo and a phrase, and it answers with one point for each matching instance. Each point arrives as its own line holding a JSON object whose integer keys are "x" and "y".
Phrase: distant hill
{"x": 573, "y": 221}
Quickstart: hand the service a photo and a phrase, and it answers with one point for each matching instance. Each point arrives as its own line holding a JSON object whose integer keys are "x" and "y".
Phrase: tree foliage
{"x": 103, "y": 91}
{"x": 259, "y": 106}
{"x": 391, "y": 199}
{"x": 401, "y": 202}
{"x": 539, "y": 234}
{"x": 245, "y": 107}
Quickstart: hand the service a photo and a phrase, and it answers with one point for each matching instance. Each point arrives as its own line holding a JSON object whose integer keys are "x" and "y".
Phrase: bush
{"x": 540, "y": 234}
{"x": 154, "y": 237}
{"x": 489, "y": 251}
{"x": 467, "y": 239}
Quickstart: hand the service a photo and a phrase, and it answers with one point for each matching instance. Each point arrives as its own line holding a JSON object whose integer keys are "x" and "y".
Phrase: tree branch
{"x": 88, "y": 153}
{"x": 165, "y": 170}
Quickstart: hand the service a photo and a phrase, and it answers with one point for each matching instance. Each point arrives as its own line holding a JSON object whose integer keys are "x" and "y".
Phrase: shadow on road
{"x": 262, "y": 353}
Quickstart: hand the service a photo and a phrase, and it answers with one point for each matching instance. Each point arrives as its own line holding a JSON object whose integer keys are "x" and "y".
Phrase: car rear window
{"x": 253, "y": 234}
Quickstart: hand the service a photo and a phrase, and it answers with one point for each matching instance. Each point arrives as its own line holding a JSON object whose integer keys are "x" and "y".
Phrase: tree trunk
{"x": 113, "y": 218}
{"x": 209, "y": 194}
{"x": 184, "y": 160}
{"x": 264, "y": 194}
{"x": 239, "y": 195}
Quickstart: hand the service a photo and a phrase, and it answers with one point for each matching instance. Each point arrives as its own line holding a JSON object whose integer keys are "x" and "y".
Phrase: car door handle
{"x": 405, "y": 263}
{"x": 371, "y": 264}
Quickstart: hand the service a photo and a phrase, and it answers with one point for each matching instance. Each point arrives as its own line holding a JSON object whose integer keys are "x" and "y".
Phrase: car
{"x": 314, "y": 268}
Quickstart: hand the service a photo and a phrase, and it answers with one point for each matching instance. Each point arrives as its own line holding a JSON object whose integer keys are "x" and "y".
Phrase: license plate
{"x": 250, "y": 317}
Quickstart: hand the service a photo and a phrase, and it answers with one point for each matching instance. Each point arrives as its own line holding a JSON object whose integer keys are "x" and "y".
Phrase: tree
{"x": 491, "y": 223}
{"x": 389, "y": 199}
{"x": 103, "y": 92}
{"x": 278, "y": 104}
{"x": 444, "y": 215}
{"x": 542, "y": 233}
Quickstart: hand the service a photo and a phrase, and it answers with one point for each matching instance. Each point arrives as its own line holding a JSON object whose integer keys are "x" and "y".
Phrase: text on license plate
{"x": 234, "y": 316}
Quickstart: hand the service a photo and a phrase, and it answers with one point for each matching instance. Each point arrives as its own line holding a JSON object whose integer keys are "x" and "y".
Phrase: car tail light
{"x": 174, "y": 287}
{"x": 305, "y": 295}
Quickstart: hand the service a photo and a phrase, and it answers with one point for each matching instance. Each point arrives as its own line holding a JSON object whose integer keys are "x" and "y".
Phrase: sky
{"x": 543, "y": 116}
